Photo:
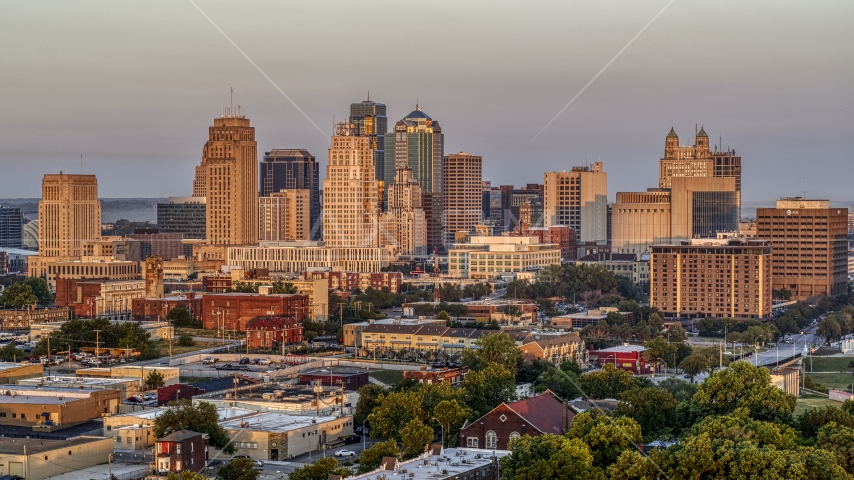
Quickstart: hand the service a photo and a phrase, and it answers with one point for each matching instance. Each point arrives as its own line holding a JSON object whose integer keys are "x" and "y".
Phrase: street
{"x": 786, "y": 350}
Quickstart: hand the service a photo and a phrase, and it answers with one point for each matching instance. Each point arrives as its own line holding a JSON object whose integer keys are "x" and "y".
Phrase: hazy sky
{"x": 133, "y": 86}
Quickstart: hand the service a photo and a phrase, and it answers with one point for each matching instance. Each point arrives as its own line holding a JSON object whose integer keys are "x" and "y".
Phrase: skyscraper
{"x": 579, "y": 200}
{"x": 350, "y": 198}
{"x": 369, "y": 120}
{"x": 184, "y": 215}
{"x": 404, "y": 225}
{"x": 11, "y": 226}
{"x": 293, "y": 169}
{"x": 69, "y": 214}
{"x": 417, "y": 142}
{"x": 230, "y": 161}
{"x": 463, "y": 194}
{"x": 698, "y": 161}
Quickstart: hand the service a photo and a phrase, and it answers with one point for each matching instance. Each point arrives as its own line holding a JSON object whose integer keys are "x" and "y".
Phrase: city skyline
{"x": 774, "y": 88}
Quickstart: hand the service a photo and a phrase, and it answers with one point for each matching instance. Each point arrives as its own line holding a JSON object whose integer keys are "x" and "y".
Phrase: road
{"x": 785, "y": 350}
{"x": 280, "y": 469}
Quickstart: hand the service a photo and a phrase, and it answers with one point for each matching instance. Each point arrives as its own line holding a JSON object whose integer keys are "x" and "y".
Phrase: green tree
{"x": 829, "y": 328}
{"x": 488, "y": 388}
{"x": 497, "y": 349}
{"x": 186, "y": 340}
{"x": 680, "y": 389}
{"x": 414, "y": 437}
{"x": 18, "y": 295}
{"x": 549, "y": 456}
{"x": 652, "y": 408}
{"x": 676, "y": 334}
{"x": 319, "y": 470}
{"x": 561, "y": 383}
{"x": 368, "y": 396}
{"x": 840, "y": 441}
{"x": 200, "y": 417}
{"x": 783, "y": 293}
{"x": 186, "y": 475}
{"x": 744, "y": 386}
{"x": 373, "y": 455}
{"x": 607, "y": 437}
{"x": 393, "y": 410}
{"x": 451, "y": 415}
{"x": 41, "y": 290}
{"x": 180, "y": 317}
{"x": 11, "y": 353}
{"x": 812, "y": 420}
{"x": 238, "y": 469}
{"x": 608, "y": 382}
{"x": 154, "y": 380}
{"x": 443, "y": 315}
{"x": 282, "y": 287}
{"x": 658, "y": 351}
{"x": 694, "y": 365}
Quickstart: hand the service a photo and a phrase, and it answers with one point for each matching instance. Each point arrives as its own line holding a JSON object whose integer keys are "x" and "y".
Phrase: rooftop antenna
{"x": 369, "y": 95}
{"x": 81, "y": 164}
{"x": 231, "y": 104}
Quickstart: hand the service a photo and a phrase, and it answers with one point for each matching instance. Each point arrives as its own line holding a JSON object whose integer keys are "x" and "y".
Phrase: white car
{"x": 264, "y": 361}
{"x": 345, "y": 453}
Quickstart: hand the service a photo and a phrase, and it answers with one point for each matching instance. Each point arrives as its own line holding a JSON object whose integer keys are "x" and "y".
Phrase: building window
{"x": 471, "y": 442}
{"x": 514, "y": 435}
{"x": 159, "y": 448}
{"x": 178, "y": 449}
{"x": 491, "y": 439}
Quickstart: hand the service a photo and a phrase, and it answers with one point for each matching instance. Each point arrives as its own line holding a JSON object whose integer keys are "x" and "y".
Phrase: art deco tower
{"x": 69, "y": 214}
{"x": 350, "y": 191}
{"x": 230, "y": 167}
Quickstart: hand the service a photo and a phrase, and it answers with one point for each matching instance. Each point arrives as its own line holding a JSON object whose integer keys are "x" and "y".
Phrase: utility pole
{"x": 318, "y": 389}
{"x": 342, "y": 399}
{"x": 97, "y": 360}
{"x": 48, "y": 355}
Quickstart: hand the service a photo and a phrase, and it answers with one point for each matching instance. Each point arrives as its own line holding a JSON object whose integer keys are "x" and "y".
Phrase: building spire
{"x": 369, "y": 95}
{"x": 416, "y": 104}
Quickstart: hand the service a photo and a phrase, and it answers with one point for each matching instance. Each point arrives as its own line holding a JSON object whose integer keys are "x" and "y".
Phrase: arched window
{"x": 514, "y": 436}
{"x": 491, "y": 440}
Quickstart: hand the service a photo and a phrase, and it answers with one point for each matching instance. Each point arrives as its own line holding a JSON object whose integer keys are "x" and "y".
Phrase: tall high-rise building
{"x": 69, "y": 214}
{"x": 230, "y": 161}
{"x": 369, "y": 120}
{"x": 416, "y": 142}
{"x": 810, "y": 246}
{"x": 11, "y": 227}
{"x": 698, "y": 160}
{"x": 640, "y": 220}
{"x": 293, "y": 169}
{"x": 579, "y": 200}
{"x": 462, "y": 181}
{"x": 350, "y": 199}
{"x": 404, "y": 225}
{"x": 184, "y": 215}
{"x": 285, "y": 216}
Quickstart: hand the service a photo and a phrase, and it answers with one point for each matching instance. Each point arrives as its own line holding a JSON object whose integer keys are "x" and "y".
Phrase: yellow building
{"x": 579, "y": 200}
{"x": 170, "y": 374}
{"x": 462, "y": 183}
{"x": 640, "y": 220}
{"x": 51, "y": 408}
{"x": 285, "y": 216}
{"x": 35, "y": 459}
{"x": 280, "y": 436}
{"x": 289, "y": 257}
{"x": 489, "y": 257}
{"x": 69, "y": 214}
{"x": 317, "y": 291}
{"x": 51, "y": 268}
{"x": 404, "y": 225}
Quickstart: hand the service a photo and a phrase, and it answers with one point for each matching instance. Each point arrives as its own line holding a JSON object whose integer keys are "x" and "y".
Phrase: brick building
{"x": 351, "y": 379}
{"x": 534, "y": 416}
{"x": 625, "y": 357}
{"x": 180, "y": 451}
{"x": 217, "y": 283}
{"x": 22, "y": 318}
{"x": 233, "y": 311}
{"x": 268, "y": 332}
{"x": 555, "y": 348}
{"x": 454, "y": 376}
{"x": 147, "y": 309}
{"x": 99, "y": 298}
{"x": 561, "y": 235}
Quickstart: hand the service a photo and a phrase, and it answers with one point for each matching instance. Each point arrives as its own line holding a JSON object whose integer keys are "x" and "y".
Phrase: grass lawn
{"x": 179, "y": 349}
{"x": 839, "y": 380}
{"x": 807, "y": 402}
{"x": 389, "y": 377}
{"x": 193, "y": 379}
{"x": 197, "y": 332}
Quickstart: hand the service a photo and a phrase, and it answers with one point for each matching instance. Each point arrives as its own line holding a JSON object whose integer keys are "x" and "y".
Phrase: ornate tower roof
{"x": 702, "y": 133}
{"x": 672, "y": 133}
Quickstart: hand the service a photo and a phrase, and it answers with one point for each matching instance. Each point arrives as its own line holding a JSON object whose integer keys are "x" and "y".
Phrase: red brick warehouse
{"x": 235, "y": 310}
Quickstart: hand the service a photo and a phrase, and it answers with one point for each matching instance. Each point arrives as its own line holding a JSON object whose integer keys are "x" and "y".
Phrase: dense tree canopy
{"x": 743, "y": 385}
{"x": 199, "y": 417}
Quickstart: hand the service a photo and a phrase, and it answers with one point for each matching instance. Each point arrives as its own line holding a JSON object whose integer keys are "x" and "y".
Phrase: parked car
{"x": 345, "y": 453}
{"x": 208, "y": 361}
{"x": 255, "y": 361}
{"x": 259, "y": 463}
{"x": 244, "y": 361}
{"x": 264, "y": 361}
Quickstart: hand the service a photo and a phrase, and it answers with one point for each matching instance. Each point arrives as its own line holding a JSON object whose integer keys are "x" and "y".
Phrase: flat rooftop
{"x": 335, "y": 371}
{"x": 438, "y": 467}
{"x": 275, "y": 422}
{"x": 9, "y": 365}
{"x": 69, "y": 381}
{"x": 15, "y": 446}
{"x": 622, "y": 349}
{"x": 224, "y": 413}
{"x": 12, "y": 391}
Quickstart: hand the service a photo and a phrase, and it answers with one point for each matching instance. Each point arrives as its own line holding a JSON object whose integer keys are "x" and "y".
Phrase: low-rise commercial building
{"x": 170, "y": 374}
{"x": 147, "y": 309}
{"x": 36, "y": 459}
{"x": 292, "y": 399}
{"x": 85, "y": 268}
{"x": 279, "y": 436}
{"x": 52, "y": 408}
{"x": 353, "y": 331}
{"x": 140, "y": 424}
{"x": 351, "y": 379}
{"x": 22, "y": 318}
{"x": 453, "y": 376}
{"x": 490, "y": 257}
{"x": 577, "y": 321}
{"x": 625, "y": 357}
{"x": 630, "y": 265}
{"x": 441, "y": 464}
{"x": 126, "y": 387}
{"x": 270, "y": 332}
{"x": 11, "y": 373}
{"x": 486, "y": 310}
{"x": 99, "y": 298}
